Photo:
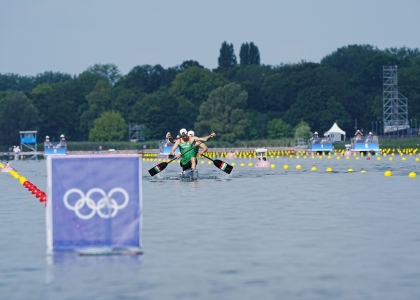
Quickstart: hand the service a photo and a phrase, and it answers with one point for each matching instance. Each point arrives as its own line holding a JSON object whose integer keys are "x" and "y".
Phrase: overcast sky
{"x": 69, "y": 36}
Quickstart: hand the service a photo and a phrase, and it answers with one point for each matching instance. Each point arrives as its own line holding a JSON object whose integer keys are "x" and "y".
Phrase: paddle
{"x": 225, "y": 167}
{"x": 160, "y": 167}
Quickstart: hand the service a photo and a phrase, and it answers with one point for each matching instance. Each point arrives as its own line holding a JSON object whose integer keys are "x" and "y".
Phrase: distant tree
{"x": 189, "y": 63}
{"x": 223, "y": 113}
{"x": 227, "y": 58}
{"x": 98, "y": 101}
{"x": 17, "y": 113}
{"x": 108, "y": 71}
{"x": 159, "y": 112}
{"x": 277, "y": 129}
{"x": 244, "y": 54}
{"x": 146, "y": 78}
{"x": 195, "y": 84}
{"x": 51, "y": 78}
{"x": 16, "y": 82}
{"x": 249, "y": 54}
{"x": 109, "y": 127}
{"x": 303, "y": 130}
{"x": 350, "y": 58}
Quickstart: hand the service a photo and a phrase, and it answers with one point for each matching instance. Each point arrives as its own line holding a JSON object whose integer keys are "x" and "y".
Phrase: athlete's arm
{"x": 174, "y": 148}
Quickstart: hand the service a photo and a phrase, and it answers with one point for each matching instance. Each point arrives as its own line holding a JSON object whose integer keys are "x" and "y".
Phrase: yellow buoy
{"x": 388, "y": 173}
{"x": 412, "y": 174}
{"x": 242, "y": 165}
{"x": 350, "y": 170}
{"x": 272, "y": 166}
{"x": 391, "y": 159}
{"x": 363, "y": 171}
{"x": 233, "y": 164}
{"x": 417, "y": 159}
{"x": 250, "y": 164}
{"x": 298, "y": 167}
{"x": 378, "y": 158}
{"x": 313, "y": 169}
{"x": 22, "y": 180}
{"x": 286, "y": 167}
{"x": 328, "y": 169}
{"x": 403, "y": 159}
{"x": 202, "y": 162}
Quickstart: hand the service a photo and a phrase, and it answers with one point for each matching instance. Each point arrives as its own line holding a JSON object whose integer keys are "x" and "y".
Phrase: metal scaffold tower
{"x": 135, "y": 132}
{"x": 395, "y": 105}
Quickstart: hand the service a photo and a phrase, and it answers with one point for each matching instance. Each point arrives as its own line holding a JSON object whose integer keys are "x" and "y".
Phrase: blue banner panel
{"x": 93, "y": 202}
{"x": 55, "y": 151}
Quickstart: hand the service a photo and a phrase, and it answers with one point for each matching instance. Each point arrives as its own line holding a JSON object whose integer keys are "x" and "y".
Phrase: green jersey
{"x": 186, "y": 152}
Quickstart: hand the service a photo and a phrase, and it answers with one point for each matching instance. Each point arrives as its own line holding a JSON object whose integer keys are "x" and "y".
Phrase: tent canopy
{"x": 335, "y": 129}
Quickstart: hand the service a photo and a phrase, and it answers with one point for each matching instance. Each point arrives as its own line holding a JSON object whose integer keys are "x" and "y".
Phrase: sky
{"x": 70, "y": 36}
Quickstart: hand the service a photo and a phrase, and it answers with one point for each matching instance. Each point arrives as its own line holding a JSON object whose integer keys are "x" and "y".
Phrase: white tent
{"x": 335, "y": 133}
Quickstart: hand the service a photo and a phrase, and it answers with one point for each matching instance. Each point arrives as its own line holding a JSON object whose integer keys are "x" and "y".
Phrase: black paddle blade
{"x": 225, "y": 167}
{"x": 157, "y": 169}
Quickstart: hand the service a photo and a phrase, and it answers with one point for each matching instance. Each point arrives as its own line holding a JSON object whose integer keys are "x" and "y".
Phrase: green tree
{"x": 319, "y": 107}
{"x": 249, "y": 54}
{"x": 17, "y": 113}
{"x": 195, "y": 84}
{"x": 277, "y": 129}
{"x": 98, "y": 101}
{"x": 227, "y": 57}
{"x": 159, "y": 113}
{"x": 109, "y": 71}
{"x": 303, "y": 130}
{"x": 109, "y": 127}
{"x": 223, "y": 113}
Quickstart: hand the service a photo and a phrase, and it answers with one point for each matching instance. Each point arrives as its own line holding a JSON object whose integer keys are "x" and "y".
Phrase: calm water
{"x": 260, "y": 234}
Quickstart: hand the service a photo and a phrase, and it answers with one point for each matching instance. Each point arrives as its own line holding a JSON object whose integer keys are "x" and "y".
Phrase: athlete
{"x": 188, "y": 146}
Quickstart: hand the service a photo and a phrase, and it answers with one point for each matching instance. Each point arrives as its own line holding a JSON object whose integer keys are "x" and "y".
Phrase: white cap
{"x": 191, "y": 133}
{"x": 62, "y": 135}
{"x": 370, "y": 132}
{"x": 47, "y": 137}
{"x": 182, "y": 131}
{"x": 315, "y": 132}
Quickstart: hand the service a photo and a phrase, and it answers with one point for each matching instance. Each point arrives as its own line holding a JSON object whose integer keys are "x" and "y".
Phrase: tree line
{"x": 242, "y": 100}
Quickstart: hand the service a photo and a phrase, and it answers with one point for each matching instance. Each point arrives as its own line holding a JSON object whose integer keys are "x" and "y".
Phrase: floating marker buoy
{"x": 313, "y": 169}
{"x": 403, "y": 159}
{"x": 391, "y": 159}
{"x": 328, "y": 169}
{"x": 363, "y": 171}
{"x": 368, "y": 158}
{"x": 233, "y": 164}
{"x": 286, "y": 167}
{"x": 412, "y": 175}
{"x": 378, "y": 158}
{"x": 388, "y": 173}
{"x": 242, "y": 165}
{"x": 350, "y": 170}
{"x": 250, "y": 164}
{"x": 298, "y": 167}
{"x": 272, "y": 166}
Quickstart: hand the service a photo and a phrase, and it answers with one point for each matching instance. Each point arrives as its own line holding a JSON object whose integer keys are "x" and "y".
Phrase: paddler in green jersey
{"x": 189, "y": 148}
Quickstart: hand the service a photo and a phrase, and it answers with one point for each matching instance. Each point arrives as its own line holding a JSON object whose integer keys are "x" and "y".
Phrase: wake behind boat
{"x": 188, "y": 175}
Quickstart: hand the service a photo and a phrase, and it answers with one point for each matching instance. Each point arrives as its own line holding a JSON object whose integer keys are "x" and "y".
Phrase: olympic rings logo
{"x": 106, "y": 203}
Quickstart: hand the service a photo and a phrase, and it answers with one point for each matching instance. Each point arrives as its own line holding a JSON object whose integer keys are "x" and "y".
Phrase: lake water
{"x": 257, "y": 234}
